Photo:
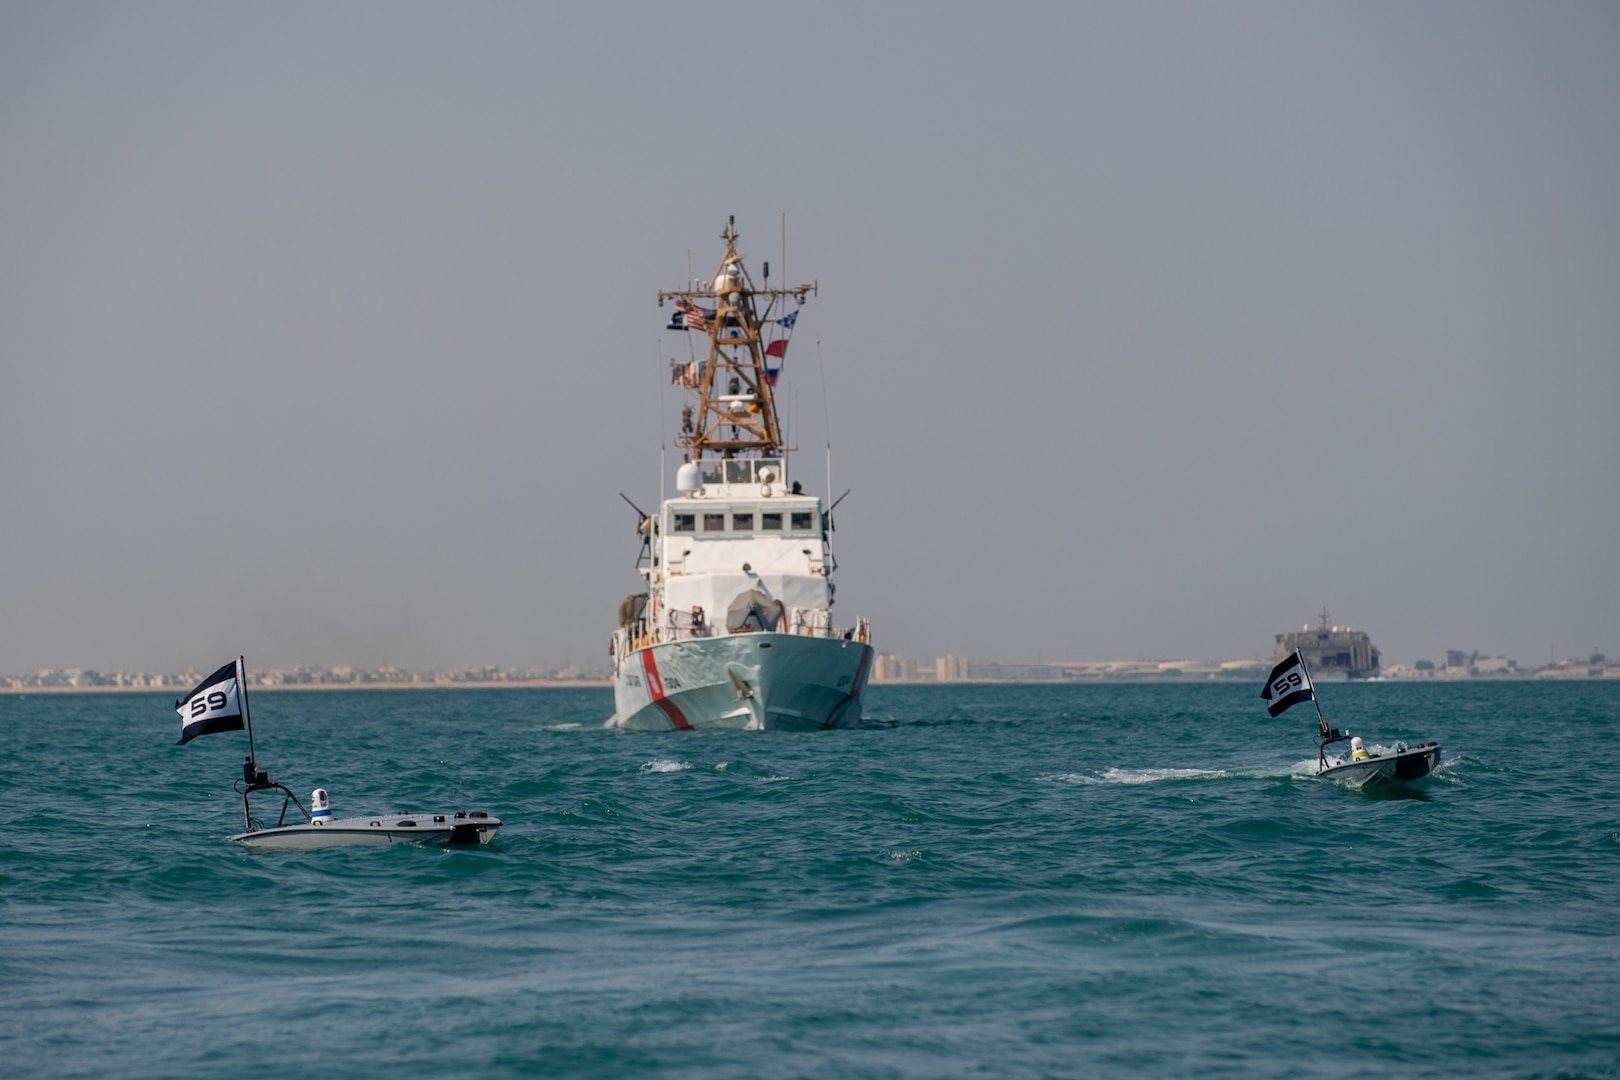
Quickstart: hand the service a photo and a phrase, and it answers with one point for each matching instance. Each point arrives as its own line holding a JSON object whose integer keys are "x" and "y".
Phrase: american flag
{"x": 695, "y": 318}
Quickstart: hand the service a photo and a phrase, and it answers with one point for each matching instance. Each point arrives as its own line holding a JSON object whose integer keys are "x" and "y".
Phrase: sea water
{"x": 994, "y": 880}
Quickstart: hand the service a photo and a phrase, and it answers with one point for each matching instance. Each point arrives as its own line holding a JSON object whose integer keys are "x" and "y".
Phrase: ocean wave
{"x": 665, "y": 765}
{"x": 1142, "y": 776}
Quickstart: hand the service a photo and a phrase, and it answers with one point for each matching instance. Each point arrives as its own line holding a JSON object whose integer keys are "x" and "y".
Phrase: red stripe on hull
{"x": 860, "y": 672}
{"x": 655, "y": 689}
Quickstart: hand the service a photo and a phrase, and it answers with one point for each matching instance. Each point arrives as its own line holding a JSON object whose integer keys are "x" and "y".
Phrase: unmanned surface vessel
{"x": 1290, "y": 684}
{"x": 1380, "y": 765}
{"x": 320, "y": 830}
{"x": 219, "y": 703}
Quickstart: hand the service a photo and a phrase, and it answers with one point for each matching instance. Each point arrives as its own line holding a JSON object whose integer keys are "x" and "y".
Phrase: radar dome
{"x": 688, "y": 478}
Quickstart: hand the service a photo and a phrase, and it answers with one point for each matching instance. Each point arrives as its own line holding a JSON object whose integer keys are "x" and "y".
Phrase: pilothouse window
{"x": 742, "y": 522}
{"x": 714, "y": 522}
{"x": 770, "y": 522}
{"x": 685, "y": 523}
{"x": 802, "y": 520}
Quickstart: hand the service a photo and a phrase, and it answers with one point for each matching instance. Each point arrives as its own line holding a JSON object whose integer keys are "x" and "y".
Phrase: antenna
{"x": 658, "y": 351}
{"x": 662, "y": 441}
{"x": 826, "y": 415}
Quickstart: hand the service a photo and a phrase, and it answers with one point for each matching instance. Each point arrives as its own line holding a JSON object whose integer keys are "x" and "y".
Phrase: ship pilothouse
{"x": 736, "y": 627}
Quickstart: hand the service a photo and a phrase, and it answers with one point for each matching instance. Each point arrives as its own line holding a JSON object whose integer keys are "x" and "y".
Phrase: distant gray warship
{"x": 1331, "y": 651}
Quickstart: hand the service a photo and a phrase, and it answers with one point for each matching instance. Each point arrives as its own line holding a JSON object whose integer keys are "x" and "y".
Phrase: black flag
{"x": 1289, "y": 684}
{"x": 216, "y": 705}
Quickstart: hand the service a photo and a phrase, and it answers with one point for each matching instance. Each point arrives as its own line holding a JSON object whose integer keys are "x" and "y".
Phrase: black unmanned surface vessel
{"x": 1290, "y": 684}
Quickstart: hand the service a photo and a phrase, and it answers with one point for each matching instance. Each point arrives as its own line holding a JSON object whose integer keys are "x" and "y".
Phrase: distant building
{"x": 1331, "y": 650}
{"x": 887, "y": 667}
{"x": 1015, "y": 672}
{"x": 951, "y": 668}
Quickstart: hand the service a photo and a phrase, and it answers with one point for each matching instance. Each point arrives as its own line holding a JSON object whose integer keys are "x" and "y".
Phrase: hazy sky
{"x": 328, "y": 332}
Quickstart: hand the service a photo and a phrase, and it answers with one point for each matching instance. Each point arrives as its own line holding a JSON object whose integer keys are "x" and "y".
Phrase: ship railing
{"x": 627, "y": 639}
{"x": 861, "y": 631}
{"x": 817, "y": 622}
{"x": 682, "y": 626}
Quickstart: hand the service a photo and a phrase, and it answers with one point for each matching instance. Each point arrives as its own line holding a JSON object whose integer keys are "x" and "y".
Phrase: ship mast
{"x": 736, "y": 410}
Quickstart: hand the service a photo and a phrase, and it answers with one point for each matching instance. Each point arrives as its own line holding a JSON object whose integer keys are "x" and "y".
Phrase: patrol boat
{"x": 1290, "y": 684}
{"x": 735, "y": 628}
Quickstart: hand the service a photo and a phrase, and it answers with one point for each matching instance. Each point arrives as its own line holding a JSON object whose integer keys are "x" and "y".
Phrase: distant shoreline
{"x": 515, "y": 684}
{"x": 603, "y": 684}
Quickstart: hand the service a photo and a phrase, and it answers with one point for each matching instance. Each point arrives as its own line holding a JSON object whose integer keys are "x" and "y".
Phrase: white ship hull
{"x": 380, "y": 831}
{"x": 742, "y": 682}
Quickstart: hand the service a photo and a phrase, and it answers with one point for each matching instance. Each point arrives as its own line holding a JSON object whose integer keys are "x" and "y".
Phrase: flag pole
{"x": 247, "y": 718}
{"x": 1320, "y": 719}
{"x": 1322, "y": 728}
